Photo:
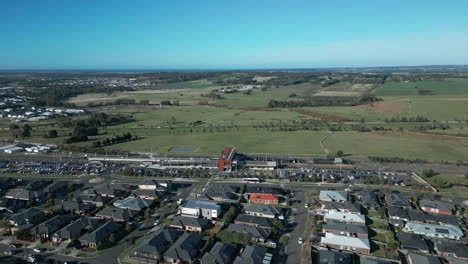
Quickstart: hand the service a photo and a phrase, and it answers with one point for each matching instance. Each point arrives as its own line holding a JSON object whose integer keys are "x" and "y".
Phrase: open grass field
{"x": 450, "y": 87}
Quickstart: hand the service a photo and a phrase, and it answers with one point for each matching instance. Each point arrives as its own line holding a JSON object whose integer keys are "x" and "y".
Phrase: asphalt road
{"x": 294, "y": 250}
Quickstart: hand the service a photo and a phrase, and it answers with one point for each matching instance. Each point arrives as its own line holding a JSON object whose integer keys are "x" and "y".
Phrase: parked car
{"x": 306, "y": 205}
{"x": 38, "y": 250}
{"x": 300, "y": 241}
{"x": 157, "y": 222}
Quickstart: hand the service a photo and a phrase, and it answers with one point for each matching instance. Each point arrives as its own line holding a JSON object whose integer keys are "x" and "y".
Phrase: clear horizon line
{"x": 229, "y": 69}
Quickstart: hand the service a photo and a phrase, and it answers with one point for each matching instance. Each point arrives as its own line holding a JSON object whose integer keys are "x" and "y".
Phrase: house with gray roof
{"x": 47, "y": 228}
{"x": 352, "y": 244}
{"x": 368, "y": 199}
{"x": 191, "y": 224}
{"x": 255, "y": 189}
{"x": 152, "y": 249}
{"x": 422, "y": 259}
{"x": 345, "y": 229}
{"x": 96, "y": 200}
{"x": 258, "y": 234}
{"x": 243, "y": 219}
{"x": 75, "y": 229}
{"x": 116, "y": 214}
{"x": 134, "y": 204}
{"x": 185, "y": 250}
{"x": 220, "y": 253}
{"x": 397, "y": 213}
{"x": 398, "y": 200}
{"x": 333, "y": 196}
{"x": 26, "y": 219}
{"x": 26, "y": 195}
{"x": 254, "y": 255}
{"x": 437, "y": 207}
{"x": 221, "y": 193}
{"x": 262, "y": 210}
{"x": 147, "y": 194}
{"x": 413, "y": 242}
{"x": 12, "y": 205}
{"x": 334, "y": 257}
{"x": 75, "y": 207}
{"x": 100, "y": 234}
{"x": 440, "y": 231}
{"x": 352, "y": 208}
{"x": 57, "y": 187}
{"x": 452, "y": 249}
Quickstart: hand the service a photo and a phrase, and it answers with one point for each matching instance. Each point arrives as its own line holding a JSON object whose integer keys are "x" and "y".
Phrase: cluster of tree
{"x": 95, "y": 120}
{"x": 428, "y": 173}
{"x": 323, "y": 101}
{"x": 425, "y": 92}
{"x": 57, "y": 94}
{"x": 113, "y": 140}
{"x": 416, "y": 119}
{"x": 395, "y": 160}
{"x": 212, "y": 95}
{"x": 23, "y": 132}
{"x": 121, "y": 101}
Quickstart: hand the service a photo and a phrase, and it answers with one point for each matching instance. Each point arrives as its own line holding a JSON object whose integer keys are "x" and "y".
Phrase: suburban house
{"x": 422, "y": 259}
{"x": 262, "y": 210}
{"x": 12, "y": 205}
{"x": 6, "y": 184}
{"x": 254, "y": 255}
{"x": 116, "y": 214}
{"x": 398, "y": 200}
{"x": 341, "y": 207}
{"x": 147, "y": 194}
{"x": 397, "y": 213}
{"x": 185, "y": 250}
{"x": 106, "y": 190}
{"x": 26, "y": 195}
{"x": 56, "y": 187}
{"x": 263, "y": 199}
{"x": 368, "y": 199}
{"x": 345, "y": 218}
{"x": 333, "y": 196}
{"x": 26, "y": 219}
{"x": 220, "y": 192}
{"x": 156, "y": 185}
{"x": 37, "y": 185}
{"x": 441, "y": 231}
{"x": 413, "y": 242}
{"x": 96, "y": 200}
{"x": 47, "y": 228}
{"x": 334, "y": 257}
{"x": 345, "y": 229}
{"x": 437, "y": 207}
{"x": 347, "y": 243}
{"x": 135, "y": 204}
{"x": 152, "y": 249}
{"x": 74, "y": 230}
{"x": 258, "y": 234}
{"x": 100, "y": 234}
{"x": 75, "y": 207}
{"x": 252, "y": 190}
{"x": 452, "y": 249}
{"x": 220, "y": 253}
{"x": 191, "y": 224}
{"x": 201, "y": 209}
{"x": 255, "y": 221}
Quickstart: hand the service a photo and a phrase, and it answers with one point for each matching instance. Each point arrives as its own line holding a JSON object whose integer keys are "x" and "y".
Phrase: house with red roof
{"x": 263, "y": 199}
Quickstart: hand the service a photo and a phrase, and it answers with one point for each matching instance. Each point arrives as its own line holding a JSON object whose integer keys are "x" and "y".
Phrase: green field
{"x": 452, "y": 87}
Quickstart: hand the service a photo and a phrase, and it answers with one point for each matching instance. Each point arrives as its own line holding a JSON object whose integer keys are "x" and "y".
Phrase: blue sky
{"x": 225, "y": 34}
